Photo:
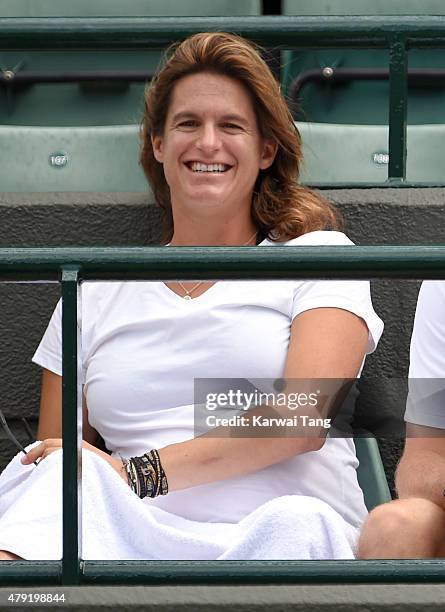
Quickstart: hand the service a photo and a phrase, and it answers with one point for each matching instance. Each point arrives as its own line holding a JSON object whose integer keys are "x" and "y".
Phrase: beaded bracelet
{"x": 145, "y": 475}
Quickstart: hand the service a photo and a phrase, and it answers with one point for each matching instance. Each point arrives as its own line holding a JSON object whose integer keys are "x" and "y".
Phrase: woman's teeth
{"x": 199, "y": 167}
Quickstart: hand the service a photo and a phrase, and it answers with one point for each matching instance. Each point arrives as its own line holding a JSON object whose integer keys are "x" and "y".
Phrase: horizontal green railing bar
{"x": 226, "y": 572}
{"x": 395, "y": 183}
{"x": 30, "y": 572}
{"x": 261, "y": 572}
{"x": 164, "y": 263}
{"x": 290, "y": 32}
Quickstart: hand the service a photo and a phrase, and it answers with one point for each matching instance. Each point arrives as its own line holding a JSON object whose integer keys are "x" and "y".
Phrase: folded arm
{"x": 324, "y": 343}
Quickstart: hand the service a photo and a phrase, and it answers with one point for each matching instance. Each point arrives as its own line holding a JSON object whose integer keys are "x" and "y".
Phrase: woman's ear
{"x": 156, "y": 143}
{"x": 270, "y": 148}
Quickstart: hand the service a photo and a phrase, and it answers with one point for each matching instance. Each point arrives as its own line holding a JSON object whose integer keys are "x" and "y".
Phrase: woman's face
{"x": 211, "y": 148}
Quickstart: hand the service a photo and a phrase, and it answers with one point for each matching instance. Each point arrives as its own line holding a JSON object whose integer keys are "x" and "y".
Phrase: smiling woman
{"x": 222, "y": 155}
{"x": 211, "y": 151}
{"x": 217, "y": 91}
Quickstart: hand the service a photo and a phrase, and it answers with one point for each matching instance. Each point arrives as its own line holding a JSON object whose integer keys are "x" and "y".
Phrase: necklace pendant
{"x": 186, "y": 297}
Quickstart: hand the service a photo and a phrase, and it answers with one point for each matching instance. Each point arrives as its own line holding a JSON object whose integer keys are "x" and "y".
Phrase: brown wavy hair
{"x": 281, "y": 208}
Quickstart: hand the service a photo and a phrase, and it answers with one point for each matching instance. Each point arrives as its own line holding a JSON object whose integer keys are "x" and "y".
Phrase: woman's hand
{"x": 51, "y": 445}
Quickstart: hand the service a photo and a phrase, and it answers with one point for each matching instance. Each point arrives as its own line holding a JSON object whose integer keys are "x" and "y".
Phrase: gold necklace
{"x": 187, "y": 292}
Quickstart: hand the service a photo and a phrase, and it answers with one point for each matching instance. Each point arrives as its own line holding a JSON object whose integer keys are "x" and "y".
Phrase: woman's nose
{"x": 208, "y": 138}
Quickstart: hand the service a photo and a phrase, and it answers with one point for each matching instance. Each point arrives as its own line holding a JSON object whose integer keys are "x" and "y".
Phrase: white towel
{"x": 116, "y": 524}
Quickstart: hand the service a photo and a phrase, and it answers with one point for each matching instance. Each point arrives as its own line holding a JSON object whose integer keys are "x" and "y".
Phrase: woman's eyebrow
{"x": 191, "y": 115}
{"x": 183, "y": 115}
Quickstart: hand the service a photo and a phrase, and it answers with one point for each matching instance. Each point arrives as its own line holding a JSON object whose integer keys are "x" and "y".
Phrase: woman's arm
{"x": 50, "y": 416}
{"x": 325, "y": 343}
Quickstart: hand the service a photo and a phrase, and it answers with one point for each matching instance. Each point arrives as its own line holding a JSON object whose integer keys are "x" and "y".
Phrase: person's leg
{"x": 7, "y": 556}
{"x": 403, "y": 529}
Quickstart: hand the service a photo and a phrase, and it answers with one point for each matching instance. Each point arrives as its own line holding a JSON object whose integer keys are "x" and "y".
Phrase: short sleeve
{"x": 426, "y": 397}
{"x": 49, "y": 352}
{"x": 351, "y": 295}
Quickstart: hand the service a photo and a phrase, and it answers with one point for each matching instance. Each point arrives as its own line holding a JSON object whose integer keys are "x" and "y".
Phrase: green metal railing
{"x": 72, "y": 266}
{"x": 398, "y": 34}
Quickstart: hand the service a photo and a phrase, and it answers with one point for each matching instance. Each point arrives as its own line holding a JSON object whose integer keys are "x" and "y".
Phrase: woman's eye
{"x": 188, "y": 123}
{"x": 232, "y": 126}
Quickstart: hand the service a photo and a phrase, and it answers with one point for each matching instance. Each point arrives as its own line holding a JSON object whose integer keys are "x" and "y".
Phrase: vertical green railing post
{"x": 71, "y": 429}
{"x": 398, "y": 104}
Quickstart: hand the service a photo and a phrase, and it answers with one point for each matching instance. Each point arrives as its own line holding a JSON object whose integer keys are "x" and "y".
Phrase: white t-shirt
{"x": 143, "y": 346}
{"x": 426, "y": 398}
